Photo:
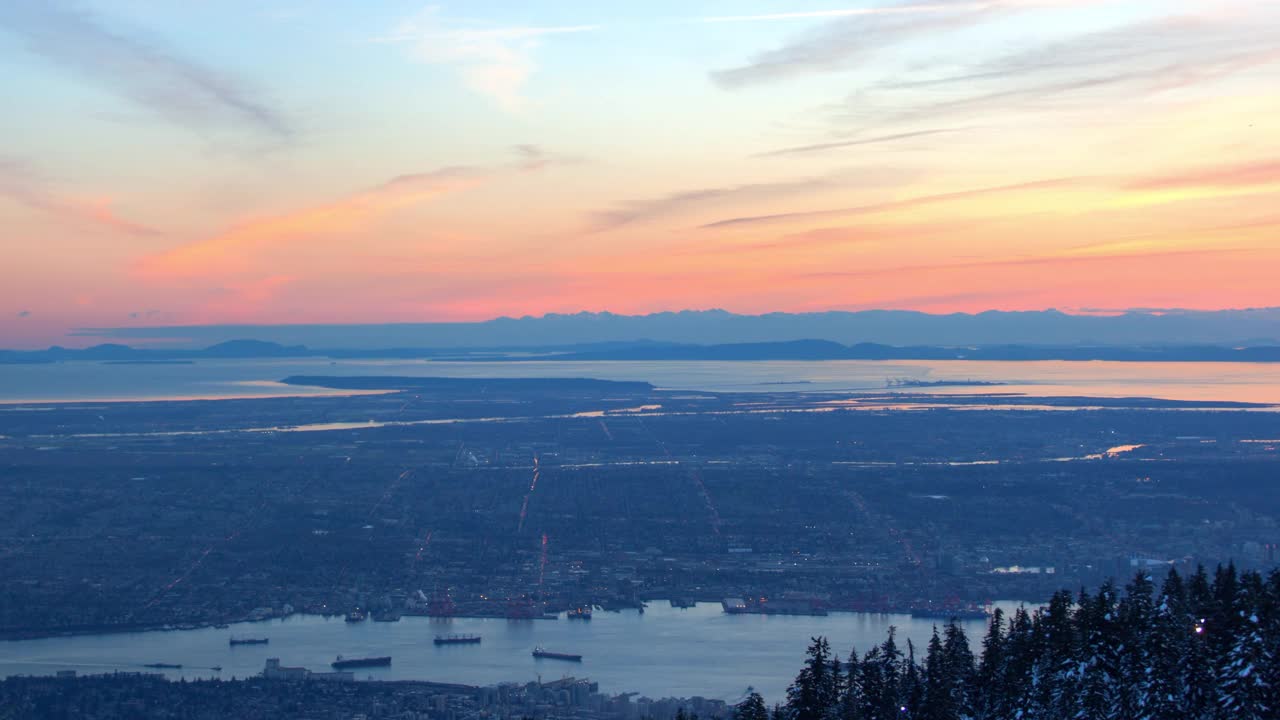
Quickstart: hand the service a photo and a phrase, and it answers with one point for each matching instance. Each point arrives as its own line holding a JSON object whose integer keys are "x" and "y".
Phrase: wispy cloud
{"x": 820, "y": 147}
{"x": 896, "y": 204}
{"x": 232, "y": 252}
{"x": 23, "y": 184}
{"x": 1119, "y": 65}
{"x": 1048, "y": 259}
{"x": 1266, "y": 172}
{"x": 531, "y": 158}
{"x": 907, "y": 9}
{"x": 855, "y": 34}
{"x": 495, "y": 62}
{"x": 137, "y": 69}
{"x": 24, "y": 313}
{"x": 644, "y": 210}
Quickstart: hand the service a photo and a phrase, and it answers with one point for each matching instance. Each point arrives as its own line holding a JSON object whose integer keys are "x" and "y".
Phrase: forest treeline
{"x": 1203, "y": 648}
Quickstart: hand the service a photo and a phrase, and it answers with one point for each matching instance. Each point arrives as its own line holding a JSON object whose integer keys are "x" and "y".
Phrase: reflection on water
{"x": 1212, "y": 382}
{"x": 665, "y": 651}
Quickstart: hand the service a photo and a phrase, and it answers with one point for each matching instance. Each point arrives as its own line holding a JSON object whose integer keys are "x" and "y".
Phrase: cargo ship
{"x": 167, "y": 666}
{"x": 248, "y": 641}
{"x": 343, "y": 663}
{"x": 541, "y": 654}
{"x": 580, "y": 613}
{"x": 457, "y": 639}
{"x": 355, "y": 616}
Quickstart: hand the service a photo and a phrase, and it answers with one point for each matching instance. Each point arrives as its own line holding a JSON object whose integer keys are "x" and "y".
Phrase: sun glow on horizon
{"x": 368, "y": 164}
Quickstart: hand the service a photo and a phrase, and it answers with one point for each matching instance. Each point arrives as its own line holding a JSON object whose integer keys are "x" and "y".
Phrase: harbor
{"x": 698, "y": 649}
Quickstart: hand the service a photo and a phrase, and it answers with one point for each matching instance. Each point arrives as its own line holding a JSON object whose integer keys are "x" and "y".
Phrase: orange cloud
{"x": 231, "y": 252}
{"x": 1228, "y": 176}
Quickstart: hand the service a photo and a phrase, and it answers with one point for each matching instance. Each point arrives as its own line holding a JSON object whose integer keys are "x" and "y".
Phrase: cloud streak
{"x": 494, "y": 62}
{"x": 821, "y": 147}
{"x": 22, "y": 184}
{"x": 1119, "y": 65}
{"x": 856, "y": 34}
{"x": 908, "y": 203}
{"x": 639, "y": 211}
{"x": 231, "y": 252}
{"x": 1265, "y": 172}
{"x": 138, "y": 70}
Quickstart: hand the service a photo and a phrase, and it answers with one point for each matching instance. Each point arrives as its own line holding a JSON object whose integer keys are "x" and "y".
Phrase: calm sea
{"x": 91, "y": 381}
{"x": 663, "y": 652}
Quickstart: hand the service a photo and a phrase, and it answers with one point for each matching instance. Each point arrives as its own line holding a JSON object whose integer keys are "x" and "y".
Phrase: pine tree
{"x": 1200, "y": 651}
{"x": 1100, "y": 682}
{"x": 1060, "y": 658}
{"x": 1136, "y": 612}
{"x": 960, "y": 666}
{"x": 1016, "y": 684}
{"x": 892, "y": 702}
{"x": 871, "y": 670}
{"x": 937, "y": 703}
{"x": 853, "y": 702}
{"x": 813, "y": 696}
{"x": 753, "y": 708}
{"x": 911, "y": 692}
{"x": 1168, "y": 651}
{"x": 986, "y": 683}
{"x": 1271, "y": 630}
{"x": 1242, "y": 689}
{"x": 1198, "y": 679}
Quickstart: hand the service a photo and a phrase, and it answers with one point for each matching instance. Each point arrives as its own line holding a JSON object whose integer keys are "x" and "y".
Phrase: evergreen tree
{"x": 959, "y": 662}
{"x": 937, "y": 703}
{"x": 871, "y": 670}
{"x": 892, "y": 701}
{"x": 813, "y": 694}
{"x": 1198, "y": 678}
{"x": 1199, "y": 650}
{"x": 911, "y": 693}
{"x": 1060, "y": 654}
{"x": 1168, "y": 652}
{"x": 1136, "y": 612}
{"x": 1242, "y": 689}
{"x": 986, "y": 682}
{"x": 753, "y": 708}
{"x": 1014, "y": 689}
{"x": 1100, "y": 684}
{"x": 853, "y": 702}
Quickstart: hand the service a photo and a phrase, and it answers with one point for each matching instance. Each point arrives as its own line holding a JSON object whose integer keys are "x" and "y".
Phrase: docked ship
{"x": 248, "y": 641}
{"x": 355, "y": 616}
{"x": 343, "y": 663}
{"x": 965, "y": 613}
{"x": 457, "y": 639}
{"x": 580, "y": 613}
{"x": 522, "y": 609}
{"x": 541, "y": 654}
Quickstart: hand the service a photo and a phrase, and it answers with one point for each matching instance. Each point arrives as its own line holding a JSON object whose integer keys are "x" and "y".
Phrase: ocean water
{"x": 663, "y": 652}
{"x": 93, "y": 381}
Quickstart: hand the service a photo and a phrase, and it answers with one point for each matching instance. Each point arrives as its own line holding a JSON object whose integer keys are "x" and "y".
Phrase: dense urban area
{"x": 129, "y": 695}
{"x": 518, "y": 498}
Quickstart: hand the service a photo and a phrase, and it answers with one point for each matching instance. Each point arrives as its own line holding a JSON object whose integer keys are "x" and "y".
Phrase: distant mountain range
{"x": 654, "y": 351}
{"x": 1234, "y": 328}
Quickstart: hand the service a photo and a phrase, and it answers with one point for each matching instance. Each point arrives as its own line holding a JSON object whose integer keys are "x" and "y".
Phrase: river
{"x": 663, "y": 652}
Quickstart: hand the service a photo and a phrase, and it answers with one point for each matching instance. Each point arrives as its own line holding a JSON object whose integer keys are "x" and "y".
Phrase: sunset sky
{"x": 211, "y": 161}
